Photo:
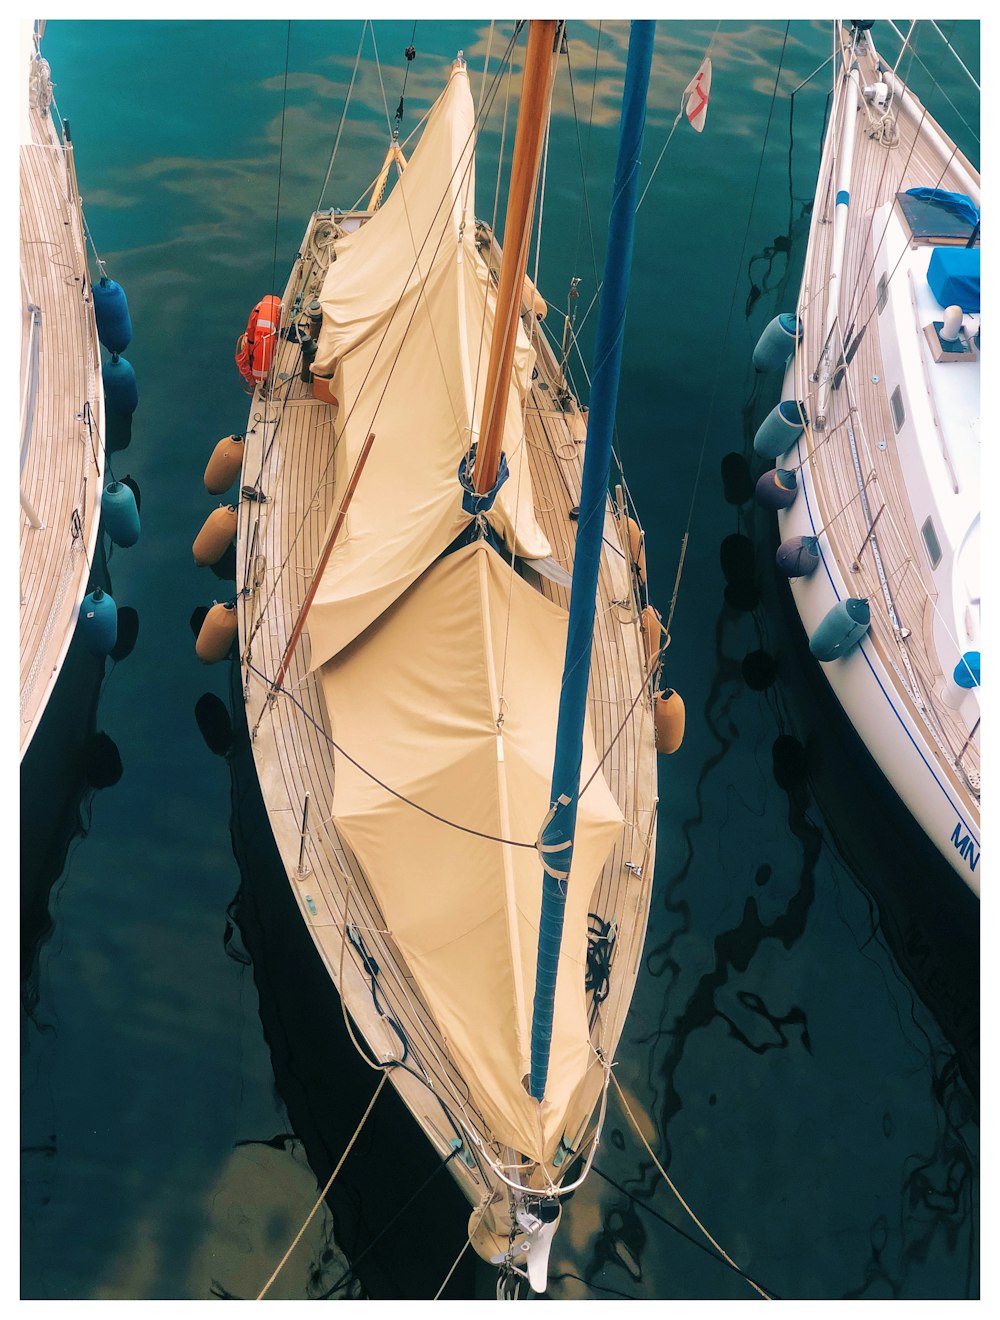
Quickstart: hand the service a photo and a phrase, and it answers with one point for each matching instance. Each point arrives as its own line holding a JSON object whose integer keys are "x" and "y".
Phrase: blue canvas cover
{"x": 955, "y": 203}
{"x": 953, "y": 276}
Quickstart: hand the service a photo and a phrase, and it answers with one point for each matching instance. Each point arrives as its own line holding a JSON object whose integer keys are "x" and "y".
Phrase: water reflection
{"x": 214, "y": 723}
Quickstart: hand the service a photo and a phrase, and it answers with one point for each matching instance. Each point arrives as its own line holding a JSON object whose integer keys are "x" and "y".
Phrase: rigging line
{"x": 375, "y": 358}
{"x": 666, "y": 144}
{"x": 323, "y": 1297}
{"x": 863, "y": 280}
{"x": 645, "y": 1205}
{"x": 583, "y": 169}
{"x": 486, "y": 62}
{"x": 465, "y": 1248}
{"x": 493, "y": 225}
{"x": 956, "y": 54}
{"x": 663, "y": 1173}
{"x": 818, "y": 69}
{"x": 466, "y": 829}
{"x": 905, "y": 40}
{"x": 281, "y": 152}
{"x": 378, "y": 67}
{"x": 366, "y": 190}
{"x": 902, "y": 255}
{"x": 406, "y": 74}
{"x": 343, "y": 116}
{"x": 676, "y": 121}
{"x": 594, "y": 1287}
{"x": 621, "y": 730}
{"x": 930, "y": 74}
{"x": 732, "y": 301}
{"x": 322, "y": 1196}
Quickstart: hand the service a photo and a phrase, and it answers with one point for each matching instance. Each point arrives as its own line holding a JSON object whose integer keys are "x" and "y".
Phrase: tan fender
{"x": 216, "y": 535}
{"x": 668, "y": 721}
{"x": 216, "y": 634}
{"x": 224, "y": 465}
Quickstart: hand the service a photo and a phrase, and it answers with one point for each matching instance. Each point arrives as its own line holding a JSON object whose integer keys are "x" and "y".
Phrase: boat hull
{"x": 288, "y": 456}
{"x": 869, "y": 694}
{"x": 887, "y": 467}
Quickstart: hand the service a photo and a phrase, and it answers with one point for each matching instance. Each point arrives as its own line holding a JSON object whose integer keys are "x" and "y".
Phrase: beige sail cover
{"x": 415, "y": 701}
{"x": 407, "y": 322}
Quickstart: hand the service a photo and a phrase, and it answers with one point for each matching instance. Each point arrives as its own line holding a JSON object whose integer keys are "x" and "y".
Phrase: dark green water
{"x": 804, "y": 1039}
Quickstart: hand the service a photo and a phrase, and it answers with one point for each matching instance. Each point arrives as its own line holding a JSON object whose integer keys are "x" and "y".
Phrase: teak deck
{"x": 288, "y": 452}
{"x": 61, "y": 412}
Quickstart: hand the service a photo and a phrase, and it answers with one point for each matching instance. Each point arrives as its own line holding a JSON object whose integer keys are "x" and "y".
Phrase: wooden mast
{"x": 535, "y": 90}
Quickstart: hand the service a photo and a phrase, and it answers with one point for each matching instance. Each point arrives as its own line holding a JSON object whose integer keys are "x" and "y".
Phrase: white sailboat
{"x": 402, "y": 635}
{"x": 877, "y": 442}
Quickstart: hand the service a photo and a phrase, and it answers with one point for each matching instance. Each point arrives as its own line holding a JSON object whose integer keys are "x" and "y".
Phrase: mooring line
{"x": 322, "y": 1196}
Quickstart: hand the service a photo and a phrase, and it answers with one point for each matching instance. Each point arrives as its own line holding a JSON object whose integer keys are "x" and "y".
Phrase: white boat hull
{"x": 870, "y": 698}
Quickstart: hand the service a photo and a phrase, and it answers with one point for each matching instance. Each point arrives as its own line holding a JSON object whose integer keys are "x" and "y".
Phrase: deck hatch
{"x": 931, "y": 542}
{"x": 898, "y": 411}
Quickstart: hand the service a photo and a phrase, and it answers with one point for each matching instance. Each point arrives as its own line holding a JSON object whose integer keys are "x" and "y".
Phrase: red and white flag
{"x": 696, "y": 95}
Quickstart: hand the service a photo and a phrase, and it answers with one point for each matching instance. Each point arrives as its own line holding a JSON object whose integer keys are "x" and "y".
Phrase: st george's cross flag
{"x": 696, "y": 95}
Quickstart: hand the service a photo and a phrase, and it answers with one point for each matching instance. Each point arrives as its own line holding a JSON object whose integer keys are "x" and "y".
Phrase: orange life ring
{"x": 255, "y": 347}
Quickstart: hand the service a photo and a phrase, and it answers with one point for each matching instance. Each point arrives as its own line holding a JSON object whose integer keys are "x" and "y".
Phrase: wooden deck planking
{"x": 294, "y": 756}
{"x": 64, "y": 464}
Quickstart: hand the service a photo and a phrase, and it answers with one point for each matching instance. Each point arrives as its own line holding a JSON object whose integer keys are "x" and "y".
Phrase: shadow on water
{"x": 323, "y": 1082}
{"x": 68, "y": 761}
{"x": 926, "y": 915}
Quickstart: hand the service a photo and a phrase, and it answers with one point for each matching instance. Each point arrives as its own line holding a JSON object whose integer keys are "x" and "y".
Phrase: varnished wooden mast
{"x": 535, "y": 90}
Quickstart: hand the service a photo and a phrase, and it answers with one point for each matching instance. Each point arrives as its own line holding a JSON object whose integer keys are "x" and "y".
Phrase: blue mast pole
{"x": 558, "y": 833}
